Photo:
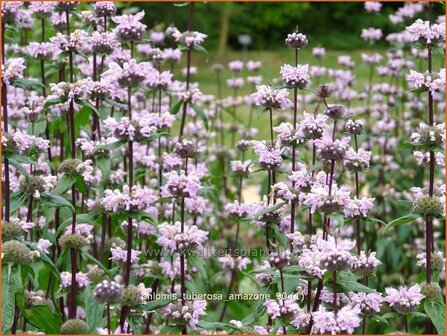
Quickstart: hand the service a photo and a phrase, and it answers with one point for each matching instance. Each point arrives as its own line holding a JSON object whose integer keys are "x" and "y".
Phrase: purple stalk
{"x": 188, "y": 74}
{"x": 295, "y": 112}
{"x": 6, "y": 188}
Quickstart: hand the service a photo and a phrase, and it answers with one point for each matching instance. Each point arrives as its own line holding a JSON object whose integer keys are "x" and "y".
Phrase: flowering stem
{"x": 233, "y": 276}
{"x": 429, "y": 218}
{"x": 295, "y": 112}
{"x": 188, "y": 74}
{"x": 334, "y": 279}
{"x": 357, "y": 190}
{"x": 271, "y": 125}
{"x": 6, "y": 189}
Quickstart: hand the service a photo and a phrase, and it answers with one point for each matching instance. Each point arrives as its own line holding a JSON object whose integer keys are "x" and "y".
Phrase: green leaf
{"x": 316, "y": 166}
{"x": 64, "y": 183}
{"x": 176, "y": 107}
{"x": 54, "y": 101}
{"x": 17, "y": 199}
{"x": 402, "y": 220}
{"x": 45, "y": 259}
{"x": 18, "y": 166}
{"x": 55, "y": 201}
{"x": 10, "y": 279}
{"x": 104, "y": 164}
{"x": 348, "y": 282}
{"x": 87, "y": 104}
{"x": 271, "y": 209}
{"x": 171, "y": 330}
{"x": 213, "y": 325}
{"x": 43, "y": 318}
{"x": 200, "y": 113}
{"x": 94, "y": 312}
{"x": 199, "y": 264}
{"x": 435, "y": 310}
{"x": 201, "y": 49}
{"x": 114, "y": 145}
{"x": 26, "y": 84}
{"x": 39, "y": 126}
{"x": 154, "y": 305}
{"x": 183, "y": 4}
{"x": 92, "y": 259}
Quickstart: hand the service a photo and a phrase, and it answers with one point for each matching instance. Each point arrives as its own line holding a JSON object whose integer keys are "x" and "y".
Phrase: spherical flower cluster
{"x": 240, "y": 263}
{"x": 357, "y": 161}
{"x": 75, "y": 42}
{"x": 187, "y": 314}
{"x": 326, "y": 322}
{"x": 269, "y": 156}
{"x": 137, "y": 129}
{"x": 319, "y": 198}
{"x": 190, "y": 38}
{"x": 295, "y": 77}
{"x": 107, "y": 291}
{"x": 236, "y": 66}
{"x": 372, "y": 6}
{"x": 296, "y": 40}
{"x": 423, "y": 32}
{"x": 41, "y": 9}
{"x": 329, "y": 149}
{"x": 429, "y": 135}
{"x": 135, "y": 198}
{"x": 174, "y": 240}
{"x": 235, "y": 83}
{"x": 104, "y": 8}
{"x": 358, "y": 207}
{"x": 120, "y": 255}
{"x": 366, "y": 264}
{"x": 181, "y": 185}
{"x": 103, "y": 43}
{"x": 354, "y": 126}
{"x": 270, "y": 98}
{"x": 44, "y": 50}
{"x": 313, "y": 126}
{"x": 371, "y": 34}
{"x": 129, "y": 73}
{"x": 427, "y": 81}
{"x": 287, "y": 135}
{"x": 129, "y": 27}
{"x": 78, "y": 90}
{"x": 13, "y": 69}
{"x": 405, "y": 299}
{"x": 335, "y": 254}
{"x": 282, "y": 309}
{"x": 368, "y": 303}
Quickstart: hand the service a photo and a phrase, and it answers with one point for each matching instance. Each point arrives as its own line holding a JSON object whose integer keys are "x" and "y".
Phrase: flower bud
{"x": 74, "y": 327}
{"x": 72, "y": 240}
{"x": 431, "y": 136}
{"x": 95, "y": 274}
{"x": 70, "y": 166}
{"x": 428, "y": 205}
{"x": 107, "y": 292}
{"x": 335, "y": 111}
{"x": 354, "y": 127}
{"x": 324, "y": 91}
{"x": 16, "y": 252}
{"x": 279, "y": 259}
{"x": 11, "y": 231}
{"x": 296, "y": 40}
{"x": 185, "y": 149}
{"x": 430, "y": 290}
{"x": 131, "y": 296}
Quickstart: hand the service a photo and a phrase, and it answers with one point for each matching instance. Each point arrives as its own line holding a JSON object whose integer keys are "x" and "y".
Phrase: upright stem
{"x": 73, "y": 254}
{"x": 429, "y": 218}
{"x": 271, "y": 125}
{"x": 295, "y": 113}
{"x": 6, "y": 189}
{"x": 188, "y": 73}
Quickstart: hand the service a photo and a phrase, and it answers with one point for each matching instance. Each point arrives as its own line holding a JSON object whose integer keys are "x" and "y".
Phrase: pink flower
{"x": 271, "y": 98}
{"x": 13, "y": 69}
{"x": 366, "y": 302}
{"x": 172, "y": 239}
{"x": 120, "y": 255}
{"x": 129, "y": 27}
{"x": 371, "y": 34}
{"x": 372, "y": 6}
{"x": 295, "y": 77}
{"x": 236, "y": 66}
{"x": 404, "y": 299}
